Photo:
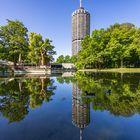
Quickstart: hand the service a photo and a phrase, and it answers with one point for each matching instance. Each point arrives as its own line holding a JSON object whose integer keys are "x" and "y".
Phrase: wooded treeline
{"x": 66, "y": 59}
{"x": 114, "y": 47}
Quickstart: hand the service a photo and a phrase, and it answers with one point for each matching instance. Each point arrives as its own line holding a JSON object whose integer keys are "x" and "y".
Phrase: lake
{"x": 86, "y": 106}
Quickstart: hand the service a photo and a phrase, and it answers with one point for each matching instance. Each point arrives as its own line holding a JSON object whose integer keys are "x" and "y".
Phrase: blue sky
{"x": 52, "y": 18}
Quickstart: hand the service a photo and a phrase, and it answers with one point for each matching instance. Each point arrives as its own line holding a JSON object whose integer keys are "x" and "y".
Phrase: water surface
{"x": 99, "y": 106}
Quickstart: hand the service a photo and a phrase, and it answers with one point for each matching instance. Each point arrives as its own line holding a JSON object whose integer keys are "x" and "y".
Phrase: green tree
{"x": 35, "y": 41}
{"x": 60, "y": 59}
{"x": 40, "y": 50}
{"x": 74, "y": 59}
{"x": 84, "y": 53}
{"x": 13, "y": 41}
{"x": 116, "y": 46}
{"x": 122, "y": 36}
{"x": 135, "y": 50}
{"x": 67, "y": 59}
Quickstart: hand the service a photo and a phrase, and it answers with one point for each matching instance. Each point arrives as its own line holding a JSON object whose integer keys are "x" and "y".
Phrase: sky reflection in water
{"x": 100, "y": 106}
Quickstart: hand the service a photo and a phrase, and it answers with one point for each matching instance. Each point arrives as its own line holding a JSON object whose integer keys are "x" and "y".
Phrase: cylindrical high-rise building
{"x": 80, "y": 28}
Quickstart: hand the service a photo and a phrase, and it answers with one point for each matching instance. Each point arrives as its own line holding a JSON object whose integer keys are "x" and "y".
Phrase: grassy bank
{"x": 119, "y": 70}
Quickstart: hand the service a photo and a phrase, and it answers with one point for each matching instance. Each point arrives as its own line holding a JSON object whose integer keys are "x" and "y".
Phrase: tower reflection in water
{"x": 80, "y": 110}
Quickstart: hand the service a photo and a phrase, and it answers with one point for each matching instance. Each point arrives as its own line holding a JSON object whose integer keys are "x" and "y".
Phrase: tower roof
{"x": 80, "y": 11}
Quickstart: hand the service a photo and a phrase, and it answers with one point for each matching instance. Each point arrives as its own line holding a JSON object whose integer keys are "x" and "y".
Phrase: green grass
{"x": 119, "y": 70}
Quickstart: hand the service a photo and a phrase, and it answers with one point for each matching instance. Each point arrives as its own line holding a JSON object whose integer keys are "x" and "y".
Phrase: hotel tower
{"x": 80, "y": 27}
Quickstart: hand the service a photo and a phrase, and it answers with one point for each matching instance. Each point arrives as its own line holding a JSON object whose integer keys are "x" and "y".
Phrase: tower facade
{"x": 80, "y": 28}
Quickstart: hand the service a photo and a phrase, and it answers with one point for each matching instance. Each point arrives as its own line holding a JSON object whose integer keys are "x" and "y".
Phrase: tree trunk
{"x": 20, "y": 86}
{"x": 121, "y": 76}
{"x": 42, "y": 61}
{"x": 121, "y": 63}
{"x": 15, "y": 63}
{"x": 19, "y": 59}
{"x": 42, "y": 57}
{"x": 42, "y": 92}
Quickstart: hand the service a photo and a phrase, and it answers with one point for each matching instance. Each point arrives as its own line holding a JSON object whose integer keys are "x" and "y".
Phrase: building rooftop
{"x": 80, "y": 10}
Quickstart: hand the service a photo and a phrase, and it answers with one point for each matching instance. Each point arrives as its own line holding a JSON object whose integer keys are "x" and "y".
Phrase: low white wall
{"x": 68, "y": 65}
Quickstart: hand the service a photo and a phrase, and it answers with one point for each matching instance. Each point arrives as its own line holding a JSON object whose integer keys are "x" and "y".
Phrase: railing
{"x": 29, "y": 67}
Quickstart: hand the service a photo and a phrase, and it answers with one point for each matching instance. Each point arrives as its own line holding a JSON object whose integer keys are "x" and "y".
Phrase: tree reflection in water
{"x": 18, "y": 95}
{"x": 117, "y": 93}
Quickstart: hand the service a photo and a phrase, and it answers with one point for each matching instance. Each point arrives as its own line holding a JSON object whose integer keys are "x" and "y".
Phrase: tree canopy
{"x": 66, "y": 59}
{"x": 19, "y": 46}
{"x": 13, "y": 41}
{"x": 114, "y": 47}
{"x": 41, "y": 51}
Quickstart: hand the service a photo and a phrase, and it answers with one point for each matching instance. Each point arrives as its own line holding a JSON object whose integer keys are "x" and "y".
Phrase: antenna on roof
{"x": 80, "y": 3}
